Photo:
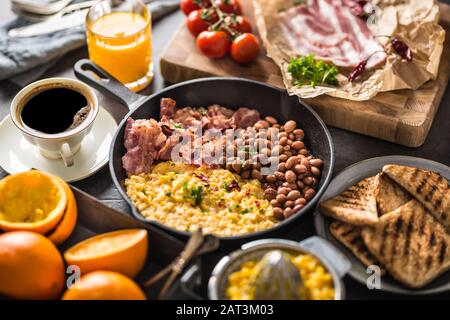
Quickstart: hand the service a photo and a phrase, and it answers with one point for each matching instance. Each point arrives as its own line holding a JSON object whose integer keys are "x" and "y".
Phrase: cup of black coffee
{"x": 55, "y": 114}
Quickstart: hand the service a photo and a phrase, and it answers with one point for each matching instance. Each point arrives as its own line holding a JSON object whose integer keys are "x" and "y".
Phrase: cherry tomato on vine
{"x": 214, "y": 44}
{"x": 200, "y": 20}
{"x": 229, "y": 6}
{"x": 187, "y": 6}
{"x": 245, "y": 48}
{"x": 239, "y": 23}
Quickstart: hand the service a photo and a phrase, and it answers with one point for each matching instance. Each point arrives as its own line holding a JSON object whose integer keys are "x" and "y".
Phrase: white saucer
{"x": 18, "y": 155}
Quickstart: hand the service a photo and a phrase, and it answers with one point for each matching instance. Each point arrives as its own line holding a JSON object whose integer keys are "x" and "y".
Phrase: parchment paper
{"x": 415, "y": 22}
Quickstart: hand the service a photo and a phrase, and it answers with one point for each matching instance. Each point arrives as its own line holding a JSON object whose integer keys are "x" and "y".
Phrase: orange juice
{"x": 120, "y": 43}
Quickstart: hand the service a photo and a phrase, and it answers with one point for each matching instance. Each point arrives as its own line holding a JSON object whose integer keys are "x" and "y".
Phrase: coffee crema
{"x": 55, "y": 110}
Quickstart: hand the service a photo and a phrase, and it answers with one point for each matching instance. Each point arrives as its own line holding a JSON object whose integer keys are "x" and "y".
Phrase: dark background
{"x": 350, "y": 147}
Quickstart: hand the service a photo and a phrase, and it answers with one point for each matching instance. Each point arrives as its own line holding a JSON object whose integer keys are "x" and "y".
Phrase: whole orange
{"x": 104, "y": 285}
{"x": 31, "y": 267}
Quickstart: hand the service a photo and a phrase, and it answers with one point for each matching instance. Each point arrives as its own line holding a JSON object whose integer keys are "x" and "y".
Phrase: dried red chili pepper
{"x": 358, "y": 70}
{"x": 402, "y": 49}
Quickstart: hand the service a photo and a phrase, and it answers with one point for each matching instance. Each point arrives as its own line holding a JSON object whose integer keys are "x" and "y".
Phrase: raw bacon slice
{"x": 329, "y": 30}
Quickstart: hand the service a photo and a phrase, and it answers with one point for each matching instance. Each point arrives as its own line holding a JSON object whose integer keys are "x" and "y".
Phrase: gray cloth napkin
{"x": 23, "y": 60}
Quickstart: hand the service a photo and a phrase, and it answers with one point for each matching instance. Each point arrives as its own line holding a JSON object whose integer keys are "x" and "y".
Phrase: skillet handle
{"x": 329, "y": 253}
{"x": 93, "y": 75}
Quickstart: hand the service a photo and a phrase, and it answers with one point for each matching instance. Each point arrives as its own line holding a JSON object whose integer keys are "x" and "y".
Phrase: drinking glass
{"x": 119, "y": 40}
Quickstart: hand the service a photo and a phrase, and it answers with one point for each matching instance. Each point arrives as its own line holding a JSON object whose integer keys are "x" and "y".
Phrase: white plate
{"x": 18, "y": 155}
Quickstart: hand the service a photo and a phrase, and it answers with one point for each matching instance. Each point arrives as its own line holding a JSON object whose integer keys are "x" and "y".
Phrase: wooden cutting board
{"x": 403, "y": 116}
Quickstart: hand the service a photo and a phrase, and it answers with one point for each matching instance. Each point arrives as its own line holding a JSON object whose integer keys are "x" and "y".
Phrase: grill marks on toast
{"x": 356, "y": 205}
{"x": 350, "y": 237}
{"x": 389, "y": 195}
{"x": 411, "y": 244}
{"x": 430, "y": 188}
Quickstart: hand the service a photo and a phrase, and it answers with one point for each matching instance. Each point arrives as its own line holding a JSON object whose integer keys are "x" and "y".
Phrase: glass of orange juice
{"x": 120, "y": 41}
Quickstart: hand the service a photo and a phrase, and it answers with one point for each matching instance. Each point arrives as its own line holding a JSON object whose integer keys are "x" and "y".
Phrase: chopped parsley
{"x": 196, "y": 194}
{"x": 177, "y": 126}
{"x": 306, "y": 70}
{"x": 246, "y": 210}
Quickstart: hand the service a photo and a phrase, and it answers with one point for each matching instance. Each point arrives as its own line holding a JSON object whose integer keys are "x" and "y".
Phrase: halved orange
{"x": 31, "y": 267}
{"x": 65, "y": 227}
{"x": 104, "y": 285}
{"x": 123, "y": 251}
{"x": 31, "y": 201}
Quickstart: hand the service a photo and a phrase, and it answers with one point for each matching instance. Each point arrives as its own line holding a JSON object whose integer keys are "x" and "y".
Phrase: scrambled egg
{"x": 188, "y": 197}
{"x": 318, "y": 283}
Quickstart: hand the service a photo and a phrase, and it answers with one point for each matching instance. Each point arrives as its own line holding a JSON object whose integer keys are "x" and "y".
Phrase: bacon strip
{"x": 329, "y": 30}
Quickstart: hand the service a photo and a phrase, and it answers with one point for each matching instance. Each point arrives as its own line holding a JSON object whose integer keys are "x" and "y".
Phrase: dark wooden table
{"x": 350, "y": 147}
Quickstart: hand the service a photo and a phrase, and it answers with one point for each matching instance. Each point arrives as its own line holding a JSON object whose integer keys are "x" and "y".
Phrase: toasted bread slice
{"x": 389, "y": 195}
{"x": 350, "y": 237}
{"x": 430, "y": 188}
{"x": 357, "y": 205}
{"x": 411, "y": 244}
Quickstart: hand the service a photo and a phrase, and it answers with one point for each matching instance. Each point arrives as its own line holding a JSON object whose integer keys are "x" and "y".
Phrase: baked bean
{"x": 290, "y": 126}
{"x": 274, "y": 203}
{"x": 236, "y": 166}
{"x": 294, "y": 195}
{"x": 299, "y": 134}
{"x": 289, "y": 142}
{"x": 300, "y": 184}
{"x": 271, "y": 178}
{"x": 309, "y": 194}
{"x": 291, "y": 136}
{"x": 256, "y": 174}
{"x": 290, "y": 176}
{"x": 258, "y": 126}
{"x": 315, "y": 171}
{"x": 300, "y": 201}
{"x": 282, "y": 190}
{"x": 283, "y": 157}
{"x": 282, "y": 135}
{"x": 282, "y": 166}
{"x": 283, "y": 141}
{"x": 277, "y": 150}
{"x": 281, "y": 198}
{"x": 278, "y": 213}
{"x": 297, "y": 145}
{"x": 304, "y": 162}
{"x": 266, "y": 152}
{"x": 308, "y": 181}
{"x": 288, "y": 204}
{"x": 279, "y": 175}
{"x": 288, "y": 212}
{"x": 291, "y": 162}
{"x": 298, "y": 208}
{"x": 304, "y": 152}
{"x": 300, "y": 168}
{"x": 270, "y": 194}
{"x": 316, "y": 163}
{"x": 277, "y": 125}
{"x": 245, "y": 174}
{"x": 271, "y": 120}
{"x": 286, "y": 148}
{"x": 288, "y": 153}
{"x": 290, "y": 186}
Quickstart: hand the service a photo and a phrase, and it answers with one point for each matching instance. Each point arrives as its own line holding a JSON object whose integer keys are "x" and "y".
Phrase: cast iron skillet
{"x": 229, "y": 92}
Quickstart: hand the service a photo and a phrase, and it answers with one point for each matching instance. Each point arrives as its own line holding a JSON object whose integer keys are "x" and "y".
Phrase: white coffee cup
{"x": 63, "y": 144}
